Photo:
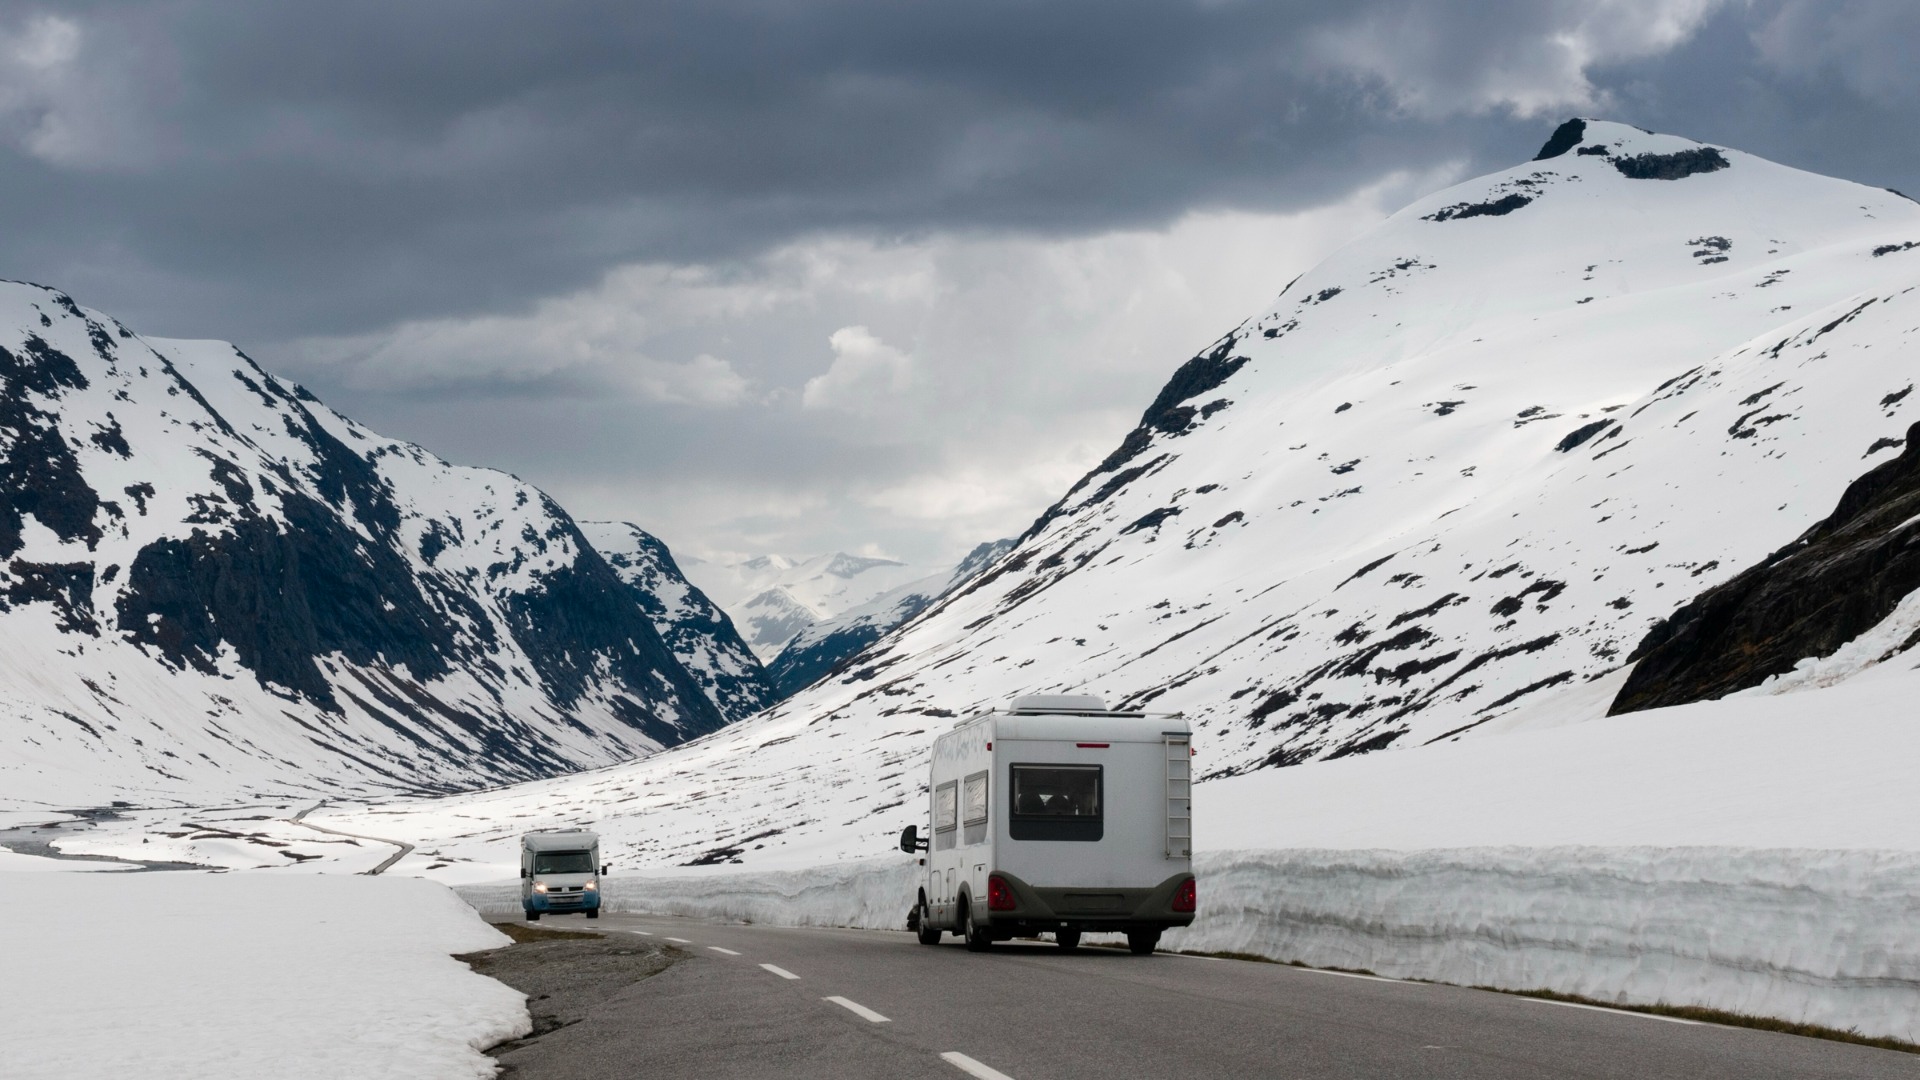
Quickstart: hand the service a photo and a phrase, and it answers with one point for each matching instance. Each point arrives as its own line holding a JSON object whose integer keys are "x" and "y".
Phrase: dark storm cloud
{"x": 284, "y": 169}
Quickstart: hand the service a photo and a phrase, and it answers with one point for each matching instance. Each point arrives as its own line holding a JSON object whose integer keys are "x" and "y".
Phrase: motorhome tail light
{"x": 1187, "y": 897}
{"x": 999, "y": 894}
{"x": 1091, "y": 745}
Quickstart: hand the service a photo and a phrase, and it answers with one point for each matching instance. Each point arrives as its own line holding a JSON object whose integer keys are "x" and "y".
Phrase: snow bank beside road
{"x": 1821, "y": 937}
{"x": 871, "y": 895}
{"x": 185, "y": 975}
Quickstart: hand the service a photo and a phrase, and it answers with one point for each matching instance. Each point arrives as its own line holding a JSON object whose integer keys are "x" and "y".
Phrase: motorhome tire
{"x": 976, "y": 935}
{"x": 593, "y": 913}
{"x": 1067, "y": 939}
{"x": 533, "y": 916}
{"x": 1142, "y": 942}
{"x": 926, "y": 931}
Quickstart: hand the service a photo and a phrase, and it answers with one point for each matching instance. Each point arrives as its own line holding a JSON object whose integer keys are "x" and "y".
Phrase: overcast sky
{"x": 806, "y": 275}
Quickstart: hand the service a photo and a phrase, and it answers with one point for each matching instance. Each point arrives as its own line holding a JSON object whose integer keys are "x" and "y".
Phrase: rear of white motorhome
{"x": 1057, "y": 816}
{"x": 560, "y": 872}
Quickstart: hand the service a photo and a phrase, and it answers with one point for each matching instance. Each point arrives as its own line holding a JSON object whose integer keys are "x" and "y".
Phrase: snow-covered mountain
{"x": 699, "y": 633}
{"x": 818, "y": 648}
{"x": 1451, "y": 475}
{"x": 775, "y": 597}
{"x": 212, "y": 583}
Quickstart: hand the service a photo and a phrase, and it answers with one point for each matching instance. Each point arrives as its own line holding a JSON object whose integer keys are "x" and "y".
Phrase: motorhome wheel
{"x": 924, "y": 929}
{"x": 1067, "y": 939}
{"x": 533, "y": 916}
{"x": 1142, "y": 942}
{"x": 593, "y": 913}
{"x": 976, "y": 935}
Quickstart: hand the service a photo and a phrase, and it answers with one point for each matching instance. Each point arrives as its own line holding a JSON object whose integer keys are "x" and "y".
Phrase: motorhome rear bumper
{"x": 1042, "y": 908}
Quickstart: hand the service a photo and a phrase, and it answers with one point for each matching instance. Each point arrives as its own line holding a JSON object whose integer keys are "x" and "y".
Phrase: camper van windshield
{"x": 563, "y": 862}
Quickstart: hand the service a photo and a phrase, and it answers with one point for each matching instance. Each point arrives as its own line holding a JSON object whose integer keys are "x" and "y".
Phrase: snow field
{"x": 182, "y": 975}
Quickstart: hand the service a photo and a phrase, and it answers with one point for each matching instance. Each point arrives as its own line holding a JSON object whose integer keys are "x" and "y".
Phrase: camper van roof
{"x": 1042, "y": 704}
{"x": 559, "y": 840}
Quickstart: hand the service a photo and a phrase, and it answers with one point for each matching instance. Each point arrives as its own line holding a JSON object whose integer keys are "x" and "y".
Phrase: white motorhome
{"x": 559, "y": 872}
{"x": 1057, "y": 816}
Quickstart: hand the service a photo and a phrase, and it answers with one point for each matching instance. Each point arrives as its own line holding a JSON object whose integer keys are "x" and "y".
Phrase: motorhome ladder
{"x": 1179, "y": 795}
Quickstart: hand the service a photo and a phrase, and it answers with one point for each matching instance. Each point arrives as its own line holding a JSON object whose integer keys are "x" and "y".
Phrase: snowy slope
{"x": 212, "y": 583}
{"x": 1462, "y": 465}
{"x": 819, "y": 648}
{"x": 775, "y": 597}
{"x": 699, "y": 633}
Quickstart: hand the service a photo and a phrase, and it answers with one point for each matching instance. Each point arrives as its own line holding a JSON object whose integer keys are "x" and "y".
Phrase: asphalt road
{"x": 775, "y": 1002}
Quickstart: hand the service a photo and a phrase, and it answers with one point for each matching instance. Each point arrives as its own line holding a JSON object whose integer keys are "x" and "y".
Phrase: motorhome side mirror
{"x": 523, "y": 872}
{"x": 606, "y": 867}
{"x": 910, "y": 839}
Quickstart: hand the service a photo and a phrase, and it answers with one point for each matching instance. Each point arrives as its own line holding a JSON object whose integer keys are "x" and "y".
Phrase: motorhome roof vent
{"x": 1057, "y": 703}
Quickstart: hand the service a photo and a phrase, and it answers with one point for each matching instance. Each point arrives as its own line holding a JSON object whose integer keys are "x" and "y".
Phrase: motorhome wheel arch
{"x": 1057, "y": 816}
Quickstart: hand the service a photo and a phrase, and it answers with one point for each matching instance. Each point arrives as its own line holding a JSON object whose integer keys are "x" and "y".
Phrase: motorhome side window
{"x": 563, "y": 862}
{"x": 946, "y": 812}
{"x": 974, "y": 803}
{"x": 1055, "y": 802}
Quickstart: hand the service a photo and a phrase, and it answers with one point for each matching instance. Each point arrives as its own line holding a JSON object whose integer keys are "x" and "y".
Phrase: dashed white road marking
{"x": 1616, "y": 1012}
{"x": 718, "y": 949}
{"x": 681, "y": 940}
{"x": 859, "y": 1010}
{"x": 780, "y": 971}
{"x": 971, "y": 1067}
{"x": 642, "y": 933}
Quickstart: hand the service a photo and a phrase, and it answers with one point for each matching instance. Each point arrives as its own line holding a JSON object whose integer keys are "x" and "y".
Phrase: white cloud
{"x": 867, "y": 374}
{"x": 972, "y": 377}
{"x": 1437, "y": 60}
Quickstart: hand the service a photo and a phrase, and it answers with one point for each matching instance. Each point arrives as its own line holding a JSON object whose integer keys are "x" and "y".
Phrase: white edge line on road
{"x": 718, "y": 949}
{"x": 859, "y": 1010}
{"x": 1351, "y": 975}
{"x": 780, "y": 971}
{"x": 971, "y": 1067}
{"x": 1616, "y": 1012}
{"x": 681, "y": 940}
{"x": 642, "y": 933}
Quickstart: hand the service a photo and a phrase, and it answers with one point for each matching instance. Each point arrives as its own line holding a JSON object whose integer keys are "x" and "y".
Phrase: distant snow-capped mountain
{"x": 774, "y": 597}
{"x": 819, "y": 647}
{"x": 1459, "y": 468}
{"x": 212, "y": 583}
{"x": 701, "y": 635}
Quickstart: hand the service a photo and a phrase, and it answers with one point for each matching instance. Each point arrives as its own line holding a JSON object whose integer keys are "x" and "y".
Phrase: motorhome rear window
{"x": 563, "y": 862}
{"x": 1056, "y": 802}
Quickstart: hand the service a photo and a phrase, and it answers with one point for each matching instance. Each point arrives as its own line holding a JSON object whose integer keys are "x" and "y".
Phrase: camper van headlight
{"x": 591, "y": 886}
{"x": 539, "y": 886}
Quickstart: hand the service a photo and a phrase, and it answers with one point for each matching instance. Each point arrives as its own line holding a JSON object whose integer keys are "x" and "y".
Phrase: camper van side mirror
{"x": 606, "y": 868}
{"x": 523, "y": 872}
{"x": 910, "y": 841}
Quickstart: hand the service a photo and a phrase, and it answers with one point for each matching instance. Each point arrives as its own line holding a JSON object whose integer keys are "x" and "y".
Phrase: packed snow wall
{"x": 1819, "y": 937}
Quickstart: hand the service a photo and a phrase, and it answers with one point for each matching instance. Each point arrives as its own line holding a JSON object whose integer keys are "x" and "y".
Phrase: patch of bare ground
{"x": 565, "y": 972}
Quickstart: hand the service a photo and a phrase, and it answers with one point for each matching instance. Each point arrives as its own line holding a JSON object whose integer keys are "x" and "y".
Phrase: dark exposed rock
{"x": 1564, "y": 138}
{"x": 1500, "y": 207}
{"x": 1839, "y": 579}
{"x": 1581, "y": 434}
{"x": 1675, "y": 166}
